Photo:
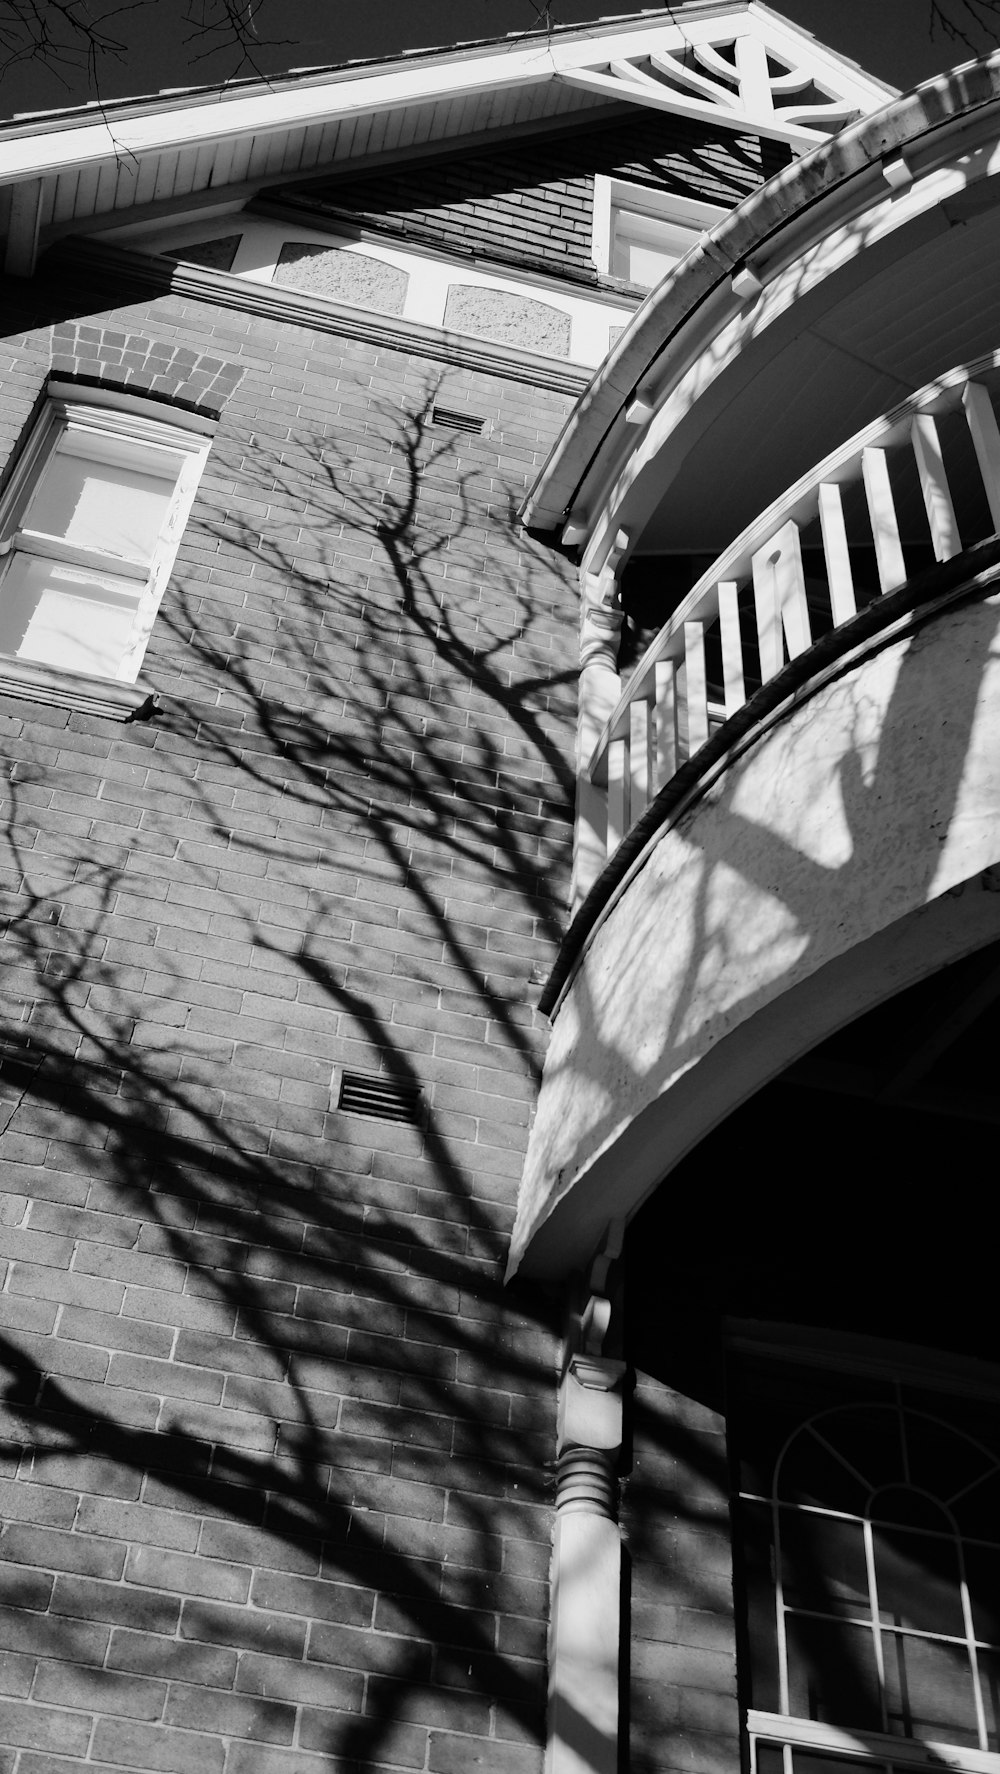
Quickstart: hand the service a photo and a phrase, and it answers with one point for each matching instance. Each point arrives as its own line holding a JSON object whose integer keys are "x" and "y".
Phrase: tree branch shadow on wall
{"x": 776, "y": 1181}
{"x": 369, "y": 685}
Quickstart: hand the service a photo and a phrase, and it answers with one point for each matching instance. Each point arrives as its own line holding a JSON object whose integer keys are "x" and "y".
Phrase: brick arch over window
{"x": 109, "y": 357}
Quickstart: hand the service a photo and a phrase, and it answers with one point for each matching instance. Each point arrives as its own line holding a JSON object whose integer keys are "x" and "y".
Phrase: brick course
{"x": 273, "y": 1501}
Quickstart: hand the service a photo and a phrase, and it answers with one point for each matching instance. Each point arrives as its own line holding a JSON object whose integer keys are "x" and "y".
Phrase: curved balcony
{"x": 919, "y": 486}
{"x": 803, "y": 568}
{"x": 803, "y": 809}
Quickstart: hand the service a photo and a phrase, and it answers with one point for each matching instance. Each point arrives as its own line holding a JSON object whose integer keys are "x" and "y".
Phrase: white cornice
{"x": 194, "y": 119}
{"x": 118, "y": 151}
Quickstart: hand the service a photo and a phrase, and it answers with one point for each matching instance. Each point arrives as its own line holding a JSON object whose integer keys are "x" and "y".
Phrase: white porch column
{"x": 585, "y": 1633}
{"x": 600, "y": 688}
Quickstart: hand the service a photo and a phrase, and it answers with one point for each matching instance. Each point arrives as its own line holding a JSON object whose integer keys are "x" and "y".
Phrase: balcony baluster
{"x": 665, "y": 713}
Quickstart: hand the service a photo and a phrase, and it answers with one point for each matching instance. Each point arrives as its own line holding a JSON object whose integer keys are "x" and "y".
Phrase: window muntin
{"x": 871, "y": 1567}
{"x": 90, "y": 526}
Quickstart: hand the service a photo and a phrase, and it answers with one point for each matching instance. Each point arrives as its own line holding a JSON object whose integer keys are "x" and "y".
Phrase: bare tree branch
{"x": 74, "y": 37}
{"x": 964, "y": 21}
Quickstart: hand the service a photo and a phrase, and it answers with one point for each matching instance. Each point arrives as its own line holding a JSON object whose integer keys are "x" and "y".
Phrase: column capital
{"x": 601, "y": 617}
{"x": 601, "y": 612}
{"x": 590, "y": 1396}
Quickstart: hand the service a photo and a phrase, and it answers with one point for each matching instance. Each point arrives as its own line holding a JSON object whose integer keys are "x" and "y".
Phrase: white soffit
{"x": 713, "y": 60}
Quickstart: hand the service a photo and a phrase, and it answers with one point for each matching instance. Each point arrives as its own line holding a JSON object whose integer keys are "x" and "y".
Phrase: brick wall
{"x": 533, "y": 204}
{"x": 274, "y": 1461}
{"x": 682, "y": 1706}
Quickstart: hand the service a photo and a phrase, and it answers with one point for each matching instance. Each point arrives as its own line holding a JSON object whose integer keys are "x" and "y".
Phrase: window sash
{"x": 145, "y": 448}
{"x": 650, "y": 221}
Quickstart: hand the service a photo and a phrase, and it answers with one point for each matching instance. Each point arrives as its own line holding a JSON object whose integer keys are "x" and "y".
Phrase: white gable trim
{"x": 697, "y": 78}
{"x": 129, "y": 153}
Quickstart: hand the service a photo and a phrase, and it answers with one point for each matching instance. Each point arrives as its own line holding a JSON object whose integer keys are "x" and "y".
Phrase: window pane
{"x": 60, "y": 616}
{"x": 982, "y": 1573}
{"x": 989, "y": 1684}
{"x": 928, "y": 1689}
{"x": 813, "y": 1470}
{"x": 940, "y": 1461}
{"x": 869, "y": 1440}
{"x": 832, "y": 1674}
{"x": 978, "y": 1511}
{"x": 771, "y": 1760}
{"x": 775, "y": 1403}
{"x": 114, "y": 508}
{"x": 823, "y": 1564}
{"x": 645, "y": 248}
{"x": 918, "y": 1581}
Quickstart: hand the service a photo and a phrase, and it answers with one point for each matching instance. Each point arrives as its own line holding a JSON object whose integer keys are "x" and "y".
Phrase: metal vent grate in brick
{"x": 381, "y": 1098}
{"x": 470, "y": 423}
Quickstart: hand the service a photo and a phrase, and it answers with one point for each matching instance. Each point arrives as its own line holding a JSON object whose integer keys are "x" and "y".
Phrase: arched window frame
{"x": 785, "y": 1731}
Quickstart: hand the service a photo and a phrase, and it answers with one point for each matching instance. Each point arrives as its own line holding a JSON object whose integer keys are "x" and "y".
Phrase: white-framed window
{"x": 89, "y": 527}
{"x": 640, "y": 234}
{"x": 869, "y": 1511}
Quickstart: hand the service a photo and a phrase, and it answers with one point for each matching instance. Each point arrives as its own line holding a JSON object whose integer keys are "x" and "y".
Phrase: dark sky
{"x": 163, "y": 42}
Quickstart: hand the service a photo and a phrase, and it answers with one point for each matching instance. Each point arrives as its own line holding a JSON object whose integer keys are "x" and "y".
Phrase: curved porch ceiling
{"x": 843, "y": 359}
{"x": 860, "y": 273}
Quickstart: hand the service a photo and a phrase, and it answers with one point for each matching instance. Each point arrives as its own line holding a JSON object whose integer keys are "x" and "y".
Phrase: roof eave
{"x": 678, "y": 302}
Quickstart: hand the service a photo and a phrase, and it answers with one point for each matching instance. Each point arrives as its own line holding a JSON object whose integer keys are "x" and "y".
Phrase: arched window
{"x": 871, "y": 1536}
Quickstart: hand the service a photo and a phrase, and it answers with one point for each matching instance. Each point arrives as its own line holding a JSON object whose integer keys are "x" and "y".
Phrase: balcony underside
{"x": 842, "y": 846}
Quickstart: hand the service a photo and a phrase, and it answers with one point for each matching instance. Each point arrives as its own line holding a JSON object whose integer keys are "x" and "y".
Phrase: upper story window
{"x": 89, "y": 527}
{"x": 640, "y": 234}
{"x": 870, "y": 1512}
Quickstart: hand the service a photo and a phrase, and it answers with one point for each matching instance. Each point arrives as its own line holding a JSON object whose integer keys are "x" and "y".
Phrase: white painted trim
{"x": 763, "y": 123}
{"x": 600, "y": 250}
{"x": 739, "y": 95}
{"x": 126, "y": 421}
{"x": 875, "y": 1745}
{"x": 583, "y": 1725}
{"x": 583, "y": 1722}
{"x": 592, "y": 313}
{"x": 786, "y": 219}
{"x": 217, "y": 116}
{"x": 612, "y": 195}
{"x": 722, "y": 328}
{"x": 111, "y": 270}
{"x": 118, "y": 401}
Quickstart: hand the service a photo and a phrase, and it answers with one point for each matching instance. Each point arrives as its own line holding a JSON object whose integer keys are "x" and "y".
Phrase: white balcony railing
{"x": 851, "y": 529}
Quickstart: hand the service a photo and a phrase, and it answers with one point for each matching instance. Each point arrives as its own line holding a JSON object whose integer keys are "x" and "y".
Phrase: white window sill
{"x": 73, "y": 689}
{"x": 831, "y": 1740}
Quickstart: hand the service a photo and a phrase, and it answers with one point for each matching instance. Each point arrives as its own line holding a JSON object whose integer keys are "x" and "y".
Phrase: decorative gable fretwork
{"x": 742, "y": 72}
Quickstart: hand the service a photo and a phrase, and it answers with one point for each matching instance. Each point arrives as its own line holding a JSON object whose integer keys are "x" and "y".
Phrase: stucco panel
{"x": 875, "y": 797}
